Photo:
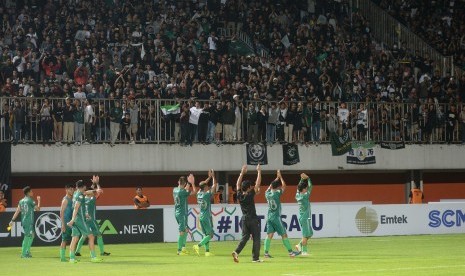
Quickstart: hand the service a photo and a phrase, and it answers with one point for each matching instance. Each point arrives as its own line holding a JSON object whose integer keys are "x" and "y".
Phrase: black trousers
{"x": 250, "y": 226}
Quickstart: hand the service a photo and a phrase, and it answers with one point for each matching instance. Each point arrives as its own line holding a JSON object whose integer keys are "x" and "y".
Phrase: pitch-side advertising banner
{"x": 327, "y": 220}
{"x": 116, "y": 226}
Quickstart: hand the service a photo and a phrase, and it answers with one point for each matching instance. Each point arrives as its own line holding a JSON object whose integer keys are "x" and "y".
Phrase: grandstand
{"x": 142, "y": 92}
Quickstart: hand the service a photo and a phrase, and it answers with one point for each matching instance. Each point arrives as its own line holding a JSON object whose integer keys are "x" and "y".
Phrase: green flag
{"x": 340, "y": 144}
{"x": 322, "y": 57}
{"x": 170, "y": 109}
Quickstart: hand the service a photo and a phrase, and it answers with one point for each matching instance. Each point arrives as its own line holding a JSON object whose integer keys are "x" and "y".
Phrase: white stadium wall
{"x": 333, "y": 220}
{"x": 142, "y": 158}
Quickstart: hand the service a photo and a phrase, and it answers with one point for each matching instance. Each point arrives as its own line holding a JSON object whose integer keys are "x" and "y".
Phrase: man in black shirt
{"x": 249, "y": 221}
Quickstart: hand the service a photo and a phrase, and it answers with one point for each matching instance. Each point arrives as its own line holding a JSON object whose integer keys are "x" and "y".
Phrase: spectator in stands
{"x": 57, "y": 116}
{"x": 3, "y": 202}
{"x": 78, "y": 122}
{"x": 140, "y": 200}
{"x": 68, "y": 122}
{"x": 324, "y": 56}
{"x": 416, "y": 195}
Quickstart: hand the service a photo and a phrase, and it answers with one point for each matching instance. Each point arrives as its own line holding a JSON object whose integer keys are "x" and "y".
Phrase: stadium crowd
{"x": 108, "y": 71}
{"x": 440, "y": 23}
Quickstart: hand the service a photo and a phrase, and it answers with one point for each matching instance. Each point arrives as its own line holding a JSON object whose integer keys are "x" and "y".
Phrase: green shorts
{"x": 305, "y": 225}
{"x": 93, "y": 226}
{"x": 182, "y": 223}
{"x": 207, "y": 225}
{"x": 275, "y": 225}
{"x": 66, "y": 236}
{"x": 80, "y": 228}
{"x": 28, "y": 228}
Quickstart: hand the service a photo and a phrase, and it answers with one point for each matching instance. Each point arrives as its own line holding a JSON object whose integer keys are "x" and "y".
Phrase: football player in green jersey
{"x": 90, "y": 200}
{"x": 78, "y": 222}
{"x": 66, "y": 213}
{"x": 180, "y": 195}
{"x": 304, "y": 190}
{"x": 27, "y": 206}
{"x": 273, "y": 222}
{"x": 204, "y": 196}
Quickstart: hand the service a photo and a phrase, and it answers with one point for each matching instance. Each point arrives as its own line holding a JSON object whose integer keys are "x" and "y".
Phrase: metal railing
{"x": 390, "y": 31}
{"x": 25, "y": 120}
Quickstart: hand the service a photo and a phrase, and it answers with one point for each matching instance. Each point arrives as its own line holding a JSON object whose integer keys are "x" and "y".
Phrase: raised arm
{"x": 37, "y": 207}
{"x": 280, "y": 177}
{"x": 215, "y": 183}
{"x": 241, "y": 175}
{"x": 303, "y": 176}
{"x": 191, "y": 181}
{"x": 258, "y": 182}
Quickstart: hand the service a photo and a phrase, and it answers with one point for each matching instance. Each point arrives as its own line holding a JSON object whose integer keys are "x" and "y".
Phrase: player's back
{"x": 204, "y": 201}
{"x": 26, "y": 206}
{"x": 78, "y": 197}
{"x": 180, "y": 200}
{"x": 273, "y": 197}
{"x": 304, "y": 203}
{"x": 91, "y": 206}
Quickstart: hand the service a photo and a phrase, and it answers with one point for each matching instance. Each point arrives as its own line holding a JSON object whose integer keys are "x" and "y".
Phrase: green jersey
{"x": 303, "y": 200}
{"x": 27, "y": 206}
{"x": 79, "y": 115}
{"x": 78, "y": 197}
{"x": 90, "y": 206}
{"x": 180, "y": 201}
{"x": 204, "y": 201}
{"x": 68, "y": 214}
{"x": 274, "y": 203}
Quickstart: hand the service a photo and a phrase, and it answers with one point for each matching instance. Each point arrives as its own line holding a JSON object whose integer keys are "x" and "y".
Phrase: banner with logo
{"x": 361, "y": 154}
{"x": 290, "y": 154}
{"x": 227, "y": 227}
{"x": 331, "y": 220}
{"x": 393, "y": 145}
{"x": 116, "y": 226}
{"x": 340, "y": 144}
{"x": 5, "y": 172}
{"x": 256, "y": 153}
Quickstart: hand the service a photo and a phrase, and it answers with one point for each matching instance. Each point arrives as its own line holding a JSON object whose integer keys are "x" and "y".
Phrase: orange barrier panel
{"x": 438, "y": 191}
{"x": 379, "y": 194}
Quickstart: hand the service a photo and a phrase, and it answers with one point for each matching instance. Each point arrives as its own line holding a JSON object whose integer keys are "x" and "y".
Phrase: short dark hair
{"x": 302, "y": 185}
{"x": 67, "y": 186}
{"x": 203, "y": 184}
{"x": 275, "y": 184}
{"x": 245, "y": 185}
{"x": 80, "y": 184}
{"x": 182, "y": 180}
{"x": 26, "y": 190}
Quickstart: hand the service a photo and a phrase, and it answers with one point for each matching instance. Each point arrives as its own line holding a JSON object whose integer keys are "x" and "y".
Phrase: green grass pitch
{"x": 394, "y": 255}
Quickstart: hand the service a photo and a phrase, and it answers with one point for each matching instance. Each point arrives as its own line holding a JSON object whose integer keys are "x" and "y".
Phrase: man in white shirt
{"x": 79, "y": 94}
{"x": 212, "y": 40}
{"x": 88, "y": 120}
{"x": 343, "y": 117}
{"x": 19, "y": 62}
{"x": 193, "y": 122}
{"x": 361, "y": 122}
